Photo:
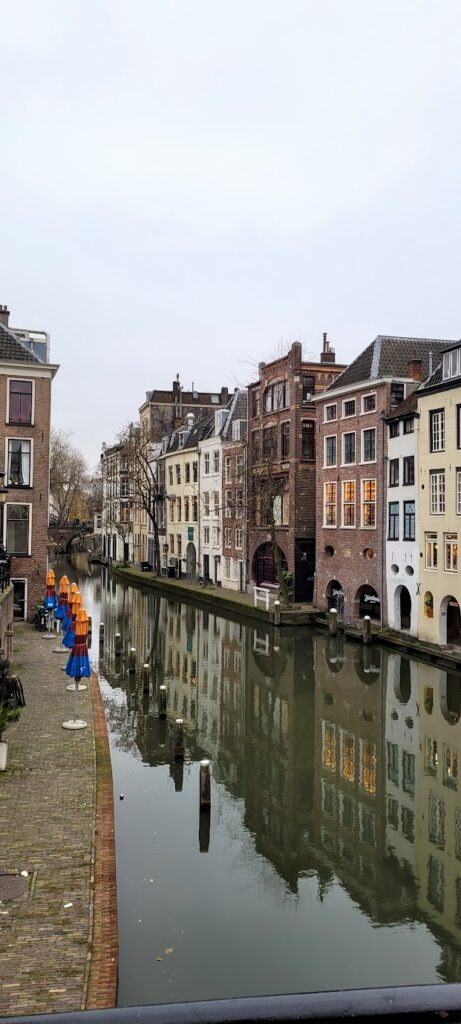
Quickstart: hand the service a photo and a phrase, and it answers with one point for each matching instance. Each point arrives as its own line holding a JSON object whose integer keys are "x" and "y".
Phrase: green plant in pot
{"x": 8, "y": 715}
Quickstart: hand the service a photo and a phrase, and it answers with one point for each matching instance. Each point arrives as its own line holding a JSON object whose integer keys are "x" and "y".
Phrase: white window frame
{"x": 227, "y": 537}
{"x": 23, "y": 554}
{"x": 206, "y": 534}
{"x": 216, "y": 460}
{"x": 437, "y": 416}
{"x": 331, "y": 419}
{"x": 29, "y": 380}
{"x": 450, "y": 541}
{"x": 12, "y": 437}
{"x": 437, "y": 493}
{"x": 329, "y": 465}
{"x": 330, "y": 526}
{"x": 22, "y": 579}
{"x": 347, "y": 433}
{"x": 363, "y": 461}
{"x": 348, "y": 526}
{"x": 349, "y": 415}
{"x": 367, "y": 480}
{"x": 367, "y": 412}
{"x": 206, "y": 463}
{"x": 458, "y": 492}
{"x": 239, "y": 538}
{"x": 431, "y": 544}
{"x": 228, "y": 469}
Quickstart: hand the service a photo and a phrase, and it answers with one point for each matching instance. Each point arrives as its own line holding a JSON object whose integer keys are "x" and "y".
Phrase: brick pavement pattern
{"x": 53, "y": 946}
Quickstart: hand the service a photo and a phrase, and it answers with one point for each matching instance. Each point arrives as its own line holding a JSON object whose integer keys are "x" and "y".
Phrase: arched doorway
{"x": 367, "y": 603}
{"x": 450, "y": 697}
{"x": 334, "y": 595}
{"x": 450, "y": 621}
{"x": 191, "y": 561}
{"x": 402, "y": 608}
{"x": 264, "y": 564}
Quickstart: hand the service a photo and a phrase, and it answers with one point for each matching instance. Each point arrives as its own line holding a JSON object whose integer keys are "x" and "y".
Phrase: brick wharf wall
{"x": 349, "y": 565}
{"x": 30, "y": 567}
{"x": 297, "y": 472}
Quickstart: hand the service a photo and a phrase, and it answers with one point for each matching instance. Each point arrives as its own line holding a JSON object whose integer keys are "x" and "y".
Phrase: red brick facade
{"x": 282, "y": 459}
{"x": 352, "y": 555}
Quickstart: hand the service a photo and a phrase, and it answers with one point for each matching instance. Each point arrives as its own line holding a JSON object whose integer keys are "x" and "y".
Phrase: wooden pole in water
{"x": 162, "y": 698}
{"x": 101, "y": 633}
{"x": 367, "y": 629}
{"x": 276, "y": 613}
{"x": 205, "y": 786}
{"x": 332, "y": 622}
{"x": 145, "y": 677}
{"x": 132, "y": 661}
{"x": 118, "y": 645}
{"x": 178, "y": 740}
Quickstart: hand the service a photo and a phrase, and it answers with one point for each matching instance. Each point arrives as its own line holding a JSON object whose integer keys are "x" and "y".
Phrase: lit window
{"x": 348, "y": 502}
{"x": 329, "y": 504}
{"x": 329, "y": 746}
{"x": 431, "y": 551}
{"x": 369, "y": 503}
{"x": 347, "y": 755}
{"x": 451, "y": 552}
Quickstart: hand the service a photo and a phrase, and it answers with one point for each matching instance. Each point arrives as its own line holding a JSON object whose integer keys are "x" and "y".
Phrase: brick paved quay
{"x": 58, "y": 941}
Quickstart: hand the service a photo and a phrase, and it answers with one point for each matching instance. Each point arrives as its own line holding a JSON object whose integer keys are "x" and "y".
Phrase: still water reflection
{"x": 334, "y": 849}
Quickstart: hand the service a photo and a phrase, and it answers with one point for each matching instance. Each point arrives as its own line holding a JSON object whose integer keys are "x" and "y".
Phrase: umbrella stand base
{"x": 80, "y": 687}
{"x": 59, "y": 650}
{"x": 49, "y": 636}
{"x": 74, "y": 723}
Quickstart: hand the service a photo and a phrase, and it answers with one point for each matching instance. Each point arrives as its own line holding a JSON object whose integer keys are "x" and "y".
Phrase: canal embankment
{"x": 444, "y": 657}
{"x": 221, "y": 600}
{"x": 58, "y": 938}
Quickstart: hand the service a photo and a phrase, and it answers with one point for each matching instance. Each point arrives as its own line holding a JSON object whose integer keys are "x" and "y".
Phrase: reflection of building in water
{"x": 231, "y": 710}
{"x": 209, "y": 681}
{"x": 402, "y": 745}
{"x": 279, "y": 748}
{"x": 181, "y": 661}
{"x": 348, "y": 827}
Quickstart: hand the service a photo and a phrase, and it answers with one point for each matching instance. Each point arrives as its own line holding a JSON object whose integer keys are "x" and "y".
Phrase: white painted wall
{"x": 402, "y": 554}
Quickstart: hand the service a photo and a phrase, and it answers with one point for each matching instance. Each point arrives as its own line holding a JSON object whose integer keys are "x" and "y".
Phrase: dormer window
{"x": 451, "y": 364}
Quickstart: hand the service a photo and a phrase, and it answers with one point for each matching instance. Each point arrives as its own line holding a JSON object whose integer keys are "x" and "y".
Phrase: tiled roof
{"x": 12, "y": 350}
{"x": 388, "y": 356}
{"x": 237, "y": 411}
{"x": 433, "y": 380}
{"x": 406, "y": 408}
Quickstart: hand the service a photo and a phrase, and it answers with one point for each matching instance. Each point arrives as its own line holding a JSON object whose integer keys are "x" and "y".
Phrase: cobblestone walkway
{"x": 55, "y": 944}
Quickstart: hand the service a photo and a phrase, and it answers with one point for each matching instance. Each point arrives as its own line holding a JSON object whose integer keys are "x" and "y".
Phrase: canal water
{"x": 332, "y": 857}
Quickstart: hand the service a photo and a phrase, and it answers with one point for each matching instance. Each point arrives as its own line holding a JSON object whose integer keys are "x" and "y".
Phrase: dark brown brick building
{"x": 25, "y": 407}
{"x": 234, "y": 493}
{"x": 169, "y": 409}
{"x": 352, "y": 472}
{"x": 282, "y": 466}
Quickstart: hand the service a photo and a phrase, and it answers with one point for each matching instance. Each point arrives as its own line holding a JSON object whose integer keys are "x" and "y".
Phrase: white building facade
{"x": 402, "y": 547}
{"x": 211, "y": 512}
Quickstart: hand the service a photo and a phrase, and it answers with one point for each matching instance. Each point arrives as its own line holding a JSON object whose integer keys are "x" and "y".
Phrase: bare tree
{"x": 140, "y": 454}
{"x": 68, "y": 479}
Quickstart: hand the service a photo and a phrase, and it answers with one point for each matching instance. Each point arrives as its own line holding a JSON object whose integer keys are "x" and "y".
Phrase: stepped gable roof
{"x": 388, "y": 356}
{"x": 12, "y": 349}
{"x": 238, "y": 406}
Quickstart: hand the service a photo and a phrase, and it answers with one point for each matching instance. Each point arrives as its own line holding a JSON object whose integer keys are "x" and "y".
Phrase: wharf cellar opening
{"x": 264, "y": 570}
{"x": 367, "y": 602}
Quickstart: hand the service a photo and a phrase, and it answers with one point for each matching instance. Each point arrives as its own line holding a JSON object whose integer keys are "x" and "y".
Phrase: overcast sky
{"x": 185, "y": 183}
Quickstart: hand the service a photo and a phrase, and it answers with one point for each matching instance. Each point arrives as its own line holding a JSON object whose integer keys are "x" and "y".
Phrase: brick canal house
{"x": 282, "y": 466}
{"x": 26, "y": 375}
{"x": 234, "y": 493}
{"x": 352, "y": 445}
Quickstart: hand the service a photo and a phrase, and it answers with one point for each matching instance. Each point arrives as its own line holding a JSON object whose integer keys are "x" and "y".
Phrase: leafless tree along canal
{"x": 332, "y": 853}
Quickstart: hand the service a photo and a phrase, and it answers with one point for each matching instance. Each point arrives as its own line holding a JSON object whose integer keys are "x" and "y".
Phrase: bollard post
{"x": 162, "y": 701}
{"x": 276, "y": 613}
{"x": 145, "y": 677}
{"x": 118, "y": 645}
{"x": 101, "y": 633}
{"x": 204, "y": 831}
{"x": 132, "y": 661}
{"x": 177, "y": 774}
{"x": 333, "y": 622}
{"x": 90, "y": 624}
{"x": 205, "y": 786}
{"x": 178, "y": 740}
{"x": 367, "y": 629}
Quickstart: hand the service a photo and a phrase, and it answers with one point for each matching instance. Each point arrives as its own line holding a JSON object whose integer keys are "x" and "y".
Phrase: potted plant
{"x": 8, "y": 714}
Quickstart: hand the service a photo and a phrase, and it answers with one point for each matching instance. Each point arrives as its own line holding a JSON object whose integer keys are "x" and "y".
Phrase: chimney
{"x": 176, "y": 388}
{"x": 296, "y": 355}
{"x": 327, "y": 354}
{"x": 224, "y": 396}
{"x": 4, "y": 315}
{"x": 430, "y": 364}
{"x": 415, "y": 368}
